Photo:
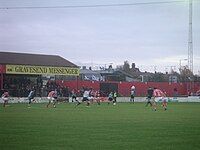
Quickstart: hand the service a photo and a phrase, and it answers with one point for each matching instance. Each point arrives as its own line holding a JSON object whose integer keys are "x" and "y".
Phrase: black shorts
{"x": 110, "y": 99}
{"x": 149, "y": 97}
{"x": 132, "y": 96}
{"x": 73, "y": 97}
{"x": 30, "y": 98}
{"x": 85, "y": 99}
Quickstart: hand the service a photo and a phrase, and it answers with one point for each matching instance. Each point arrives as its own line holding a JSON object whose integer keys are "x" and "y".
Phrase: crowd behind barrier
{"x": 20, "y": 87}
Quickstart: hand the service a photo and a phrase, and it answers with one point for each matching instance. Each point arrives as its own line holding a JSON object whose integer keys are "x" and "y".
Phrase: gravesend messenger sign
{"x": 24, "y": 69}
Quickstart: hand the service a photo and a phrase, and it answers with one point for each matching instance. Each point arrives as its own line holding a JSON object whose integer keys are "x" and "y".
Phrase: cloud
{"x": 146, "y": 35}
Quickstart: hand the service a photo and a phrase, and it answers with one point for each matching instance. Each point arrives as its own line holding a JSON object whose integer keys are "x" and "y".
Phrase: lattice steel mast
{"x": 190, "y": 40}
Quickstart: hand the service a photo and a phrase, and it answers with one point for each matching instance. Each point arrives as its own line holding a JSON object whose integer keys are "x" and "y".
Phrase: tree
{"x": 158, "y": 77}
{"x": 126, "y": 66}
{"x": 186, "y": 74}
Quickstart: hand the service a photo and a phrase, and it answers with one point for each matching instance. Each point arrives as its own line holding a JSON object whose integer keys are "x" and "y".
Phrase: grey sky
{"x": 149, "y": 35}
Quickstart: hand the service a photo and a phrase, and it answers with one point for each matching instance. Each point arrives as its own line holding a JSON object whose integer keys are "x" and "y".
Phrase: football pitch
{"x": 125, "y": 126}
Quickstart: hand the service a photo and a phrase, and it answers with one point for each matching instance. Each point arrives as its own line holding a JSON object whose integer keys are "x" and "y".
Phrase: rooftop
{"x": 10, "y": 58}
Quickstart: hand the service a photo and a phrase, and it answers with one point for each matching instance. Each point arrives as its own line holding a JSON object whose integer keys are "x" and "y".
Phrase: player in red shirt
{"x": 97, "y": 95}
{"x": 5, "y": 97}
{"x": 164, "y": 104}
{"x": 159, "y": 95}
{"x": 52, "y": 96}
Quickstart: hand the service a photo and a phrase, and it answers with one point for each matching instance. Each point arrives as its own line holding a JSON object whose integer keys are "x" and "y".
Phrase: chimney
{"x": 133, "y": 65}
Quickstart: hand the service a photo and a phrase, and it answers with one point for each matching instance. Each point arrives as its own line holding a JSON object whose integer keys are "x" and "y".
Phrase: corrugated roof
{"x": 9, "y": 58}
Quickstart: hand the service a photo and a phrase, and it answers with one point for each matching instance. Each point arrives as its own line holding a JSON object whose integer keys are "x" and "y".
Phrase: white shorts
{"x": 51, "y": 99}
{"x": 158, "y": 99}
{"x": 90, "y": 98}
{"x": 5, "y": 98}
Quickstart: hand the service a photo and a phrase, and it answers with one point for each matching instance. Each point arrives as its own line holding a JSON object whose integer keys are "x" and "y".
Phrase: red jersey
{"x": 5, "y": 94}
{"x": 158, "y": 93}
{"x": 52, "y": 94}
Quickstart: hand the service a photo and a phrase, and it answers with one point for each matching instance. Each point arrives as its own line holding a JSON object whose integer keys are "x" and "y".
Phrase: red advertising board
{"x": 2, "y": 68}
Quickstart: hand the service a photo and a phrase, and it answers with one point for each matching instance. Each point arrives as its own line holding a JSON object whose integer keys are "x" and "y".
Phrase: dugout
{"x": 106, "y": 88}
{"x": 19, "y": 72}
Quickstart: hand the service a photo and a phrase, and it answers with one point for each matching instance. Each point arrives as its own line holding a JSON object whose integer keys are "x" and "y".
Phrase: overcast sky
{"x": 149, "y": 35}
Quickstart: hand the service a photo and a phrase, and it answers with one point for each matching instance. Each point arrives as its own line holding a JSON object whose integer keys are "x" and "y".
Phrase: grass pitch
{"x": 124, "y": 126}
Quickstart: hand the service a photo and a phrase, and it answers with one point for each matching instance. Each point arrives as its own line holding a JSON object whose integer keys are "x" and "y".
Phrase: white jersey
{"x": 132, "y": 92}
{"x": 86, "y": 94}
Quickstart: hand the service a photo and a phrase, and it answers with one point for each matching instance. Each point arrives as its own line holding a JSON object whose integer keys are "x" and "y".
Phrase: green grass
{"x": 124, "y": 126}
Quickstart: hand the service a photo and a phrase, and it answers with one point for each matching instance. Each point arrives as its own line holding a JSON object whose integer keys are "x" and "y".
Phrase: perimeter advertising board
{"x": 25, "y": 69}
{"x": 1, "y": 69}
